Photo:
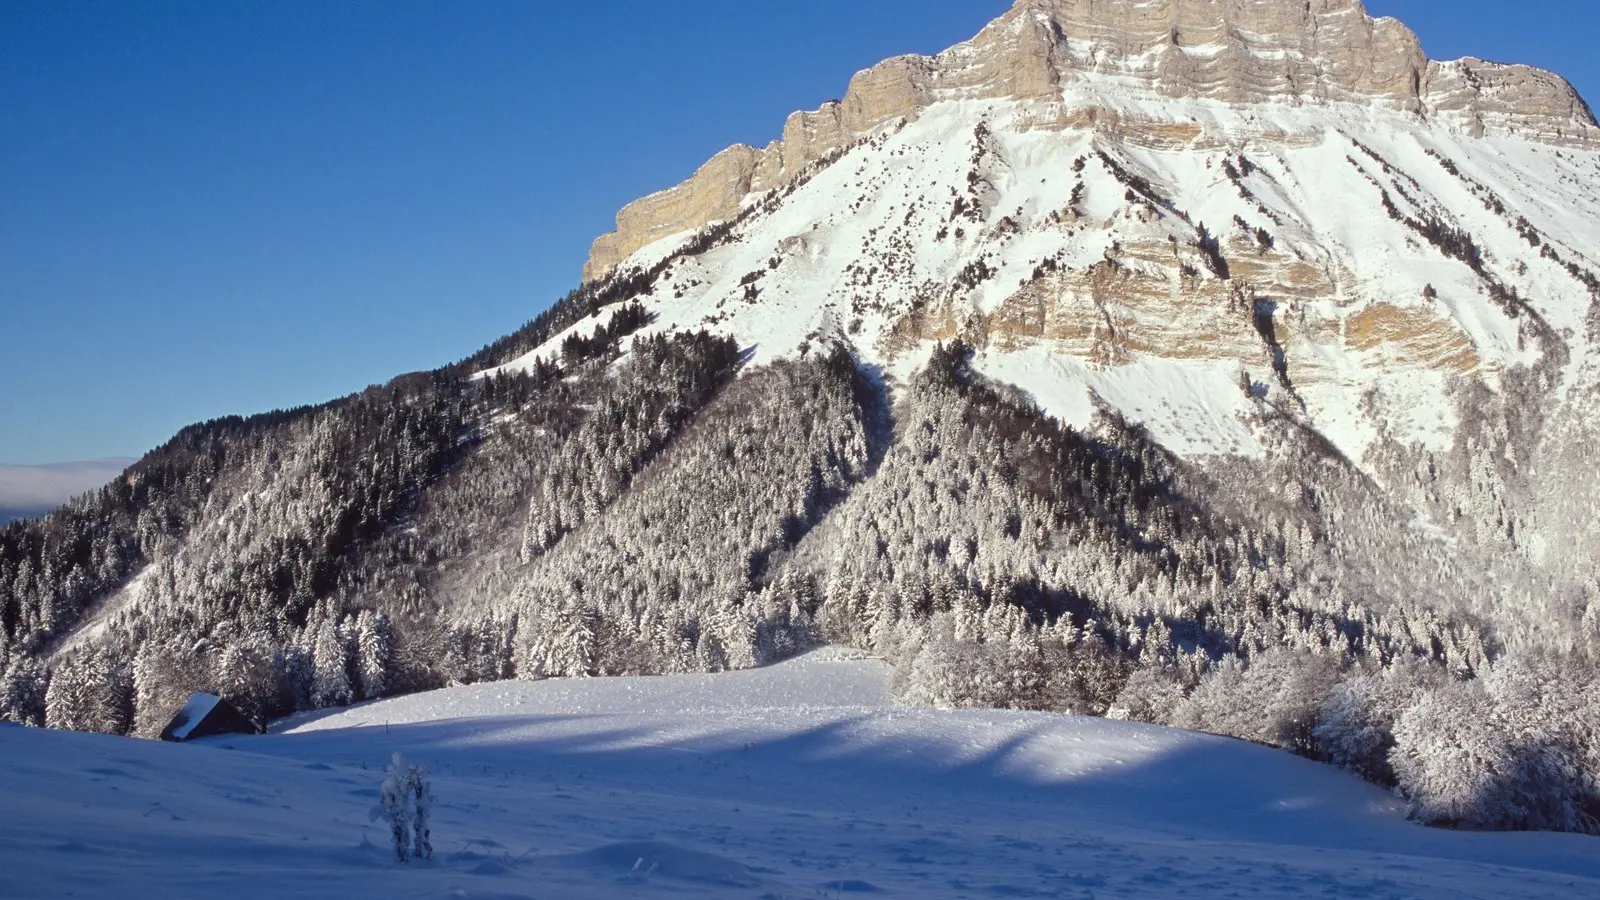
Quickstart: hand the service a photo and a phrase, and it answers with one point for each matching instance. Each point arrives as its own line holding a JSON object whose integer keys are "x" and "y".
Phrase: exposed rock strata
{"x": 1077, "y": 58}
{"x": 1150, "y": 303}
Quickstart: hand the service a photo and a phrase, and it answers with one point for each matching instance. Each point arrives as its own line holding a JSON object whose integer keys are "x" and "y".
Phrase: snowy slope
{"x": 936, "y": 225}
{"x": 792, "y": 781}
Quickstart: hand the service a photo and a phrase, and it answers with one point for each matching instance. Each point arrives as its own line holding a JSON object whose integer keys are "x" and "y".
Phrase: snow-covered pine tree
{"x": 330, "y": 660}
{"x": 90, "y": 691}
{"x": 252, "y": 677}
{"x": 22, "y": 692}
{"x": 374, "y": 647}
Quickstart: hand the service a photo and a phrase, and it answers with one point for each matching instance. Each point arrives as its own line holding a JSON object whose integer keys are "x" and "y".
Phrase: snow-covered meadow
{"x": 797, "y": 780}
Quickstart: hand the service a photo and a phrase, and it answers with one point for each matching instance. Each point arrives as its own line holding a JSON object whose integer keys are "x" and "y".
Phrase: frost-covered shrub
{"x": 405, "y": 803}
{"x": 1021, "y": 670}
{"x": 1553, "y": 700}
{"x": 1082, "y": 676}
{"x": 954, "y": 674}
{"x": 1355, "y": 728}
{"x": 1458, "y": 764}
{"x": 1274, "y": 699}
{"x": 1212, "y": 705}
{"x": 251, "y": 675}
{"x": 1151, "y": 695}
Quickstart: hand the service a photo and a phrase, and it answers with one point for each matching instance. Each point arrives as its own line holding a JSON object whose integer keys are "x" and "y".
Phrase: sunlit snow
{"x": 795, "y": 781}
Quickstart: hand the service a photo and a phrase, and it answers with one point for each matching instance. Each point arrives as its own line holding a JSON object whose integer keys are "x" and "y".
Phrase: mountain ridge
{"x": 1376, "y": 59}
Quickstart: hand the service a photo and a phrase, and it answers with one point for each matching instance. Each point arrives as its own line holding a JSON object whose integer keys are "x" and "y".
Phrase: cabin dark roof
{"x": 204, "y": 715}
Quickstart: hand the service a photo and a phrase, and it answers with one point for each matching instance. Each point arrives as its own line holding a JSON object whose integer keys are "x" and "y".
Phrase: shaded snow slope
{"x": 792, "y": 781}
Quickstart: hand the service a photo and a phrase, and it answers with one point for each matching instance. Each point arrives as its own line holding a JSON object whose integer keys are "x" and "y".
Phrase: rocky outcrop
{"x": 1489, "y": 98}
{"x": 1151, "y": 301}
{"x": 711, "y": 194}
{"x": 1411, "y": 335}
{"x": 1242, "y": 51}
{"x": 1078, "y": 58}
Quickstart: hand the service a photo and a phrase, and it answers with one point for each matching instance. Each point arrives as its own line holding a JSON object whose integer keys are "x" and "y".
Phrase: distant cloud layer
{"x": 34, "y": 490}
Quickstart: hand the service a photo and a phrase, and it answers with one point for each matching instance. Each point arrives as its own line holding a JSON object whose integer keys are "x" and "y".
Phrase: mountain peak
{"x": 1297, "y": 51}
{"x": 1141, "y": 65}
{"x": 1237, "y": 51}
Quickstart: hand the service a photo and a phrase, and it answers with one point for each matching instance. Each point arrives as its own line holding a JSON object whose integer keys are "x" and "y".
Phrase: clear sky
{"x": 211, "y": 208}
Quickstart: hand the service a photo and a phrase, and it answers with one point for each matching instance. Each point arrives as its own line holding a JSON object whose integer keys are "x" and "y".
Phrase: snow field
{"x": 793, "y": 781}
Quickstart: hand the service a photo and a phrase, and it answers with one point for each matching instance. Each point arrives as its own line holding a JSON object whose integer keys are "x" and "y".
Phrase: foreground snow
{"x": 793, "y": 781}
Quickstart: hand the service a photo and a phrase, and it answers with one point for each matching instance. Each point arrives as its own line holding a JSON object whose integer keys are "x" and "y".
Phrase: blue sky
{"x": 225, "y": 208}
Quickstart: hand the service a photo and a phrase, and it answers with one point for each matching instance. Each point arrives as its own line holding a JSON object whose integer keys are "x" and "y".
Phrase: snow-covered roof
{"x": 199, "y": 705}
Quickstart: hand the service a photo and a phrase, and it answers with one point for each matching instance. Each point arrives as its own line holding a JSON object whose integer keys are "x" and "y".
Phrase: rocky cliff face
{"x": 1099, "y": 64}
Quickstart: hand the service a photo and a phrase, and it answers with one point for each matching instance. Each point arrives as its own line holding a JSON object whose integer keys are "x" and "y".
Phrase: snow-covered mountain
{"x": 1151, "y": 204}
{"x": 1226, "y": 365}
{"x": 1234, "y": 224}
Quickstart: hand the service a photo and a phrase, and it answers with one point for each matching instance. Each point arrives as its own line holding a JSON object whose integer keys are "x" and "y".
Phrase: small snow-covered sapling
{"x": 405, "y": 802}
